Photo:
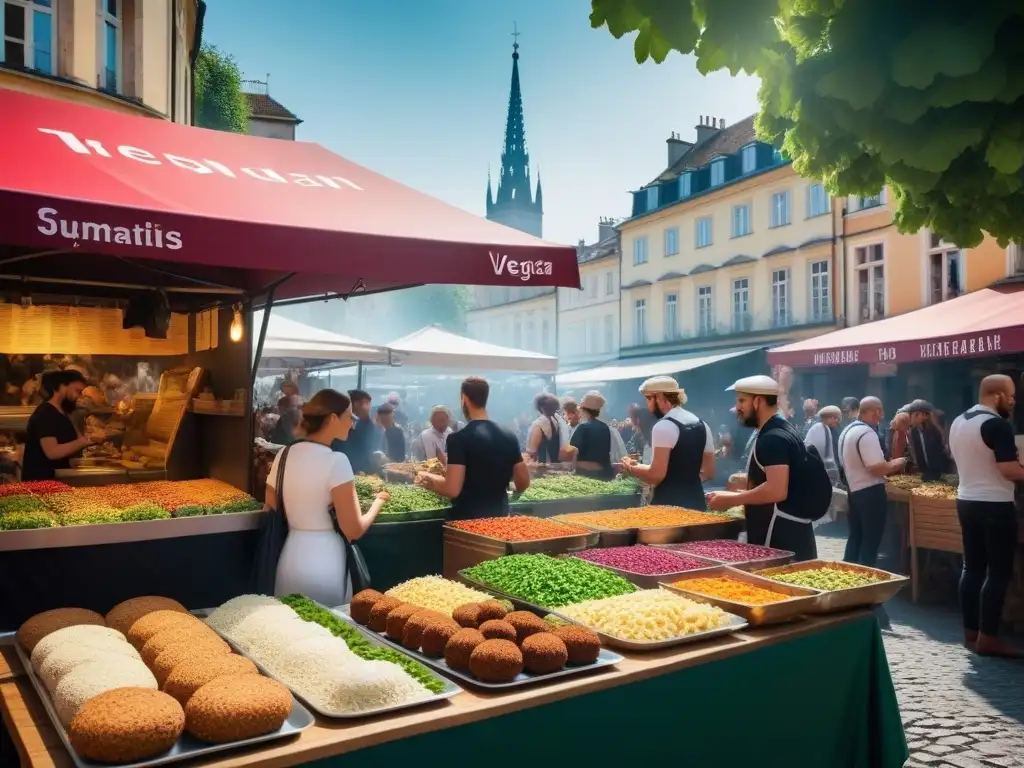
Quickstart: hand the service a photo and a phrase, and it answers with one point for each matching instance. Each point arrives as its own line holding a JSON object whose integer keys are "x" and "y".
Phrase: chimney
{"x": 605, "y": 229}
{"x": 676, "y": 148}
{"x": 708, "y": 128}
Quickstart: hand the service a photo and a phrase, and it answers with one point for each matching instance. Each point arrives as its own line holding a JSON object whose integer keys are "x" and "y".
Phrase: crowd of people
{"x": 789, "y": 467}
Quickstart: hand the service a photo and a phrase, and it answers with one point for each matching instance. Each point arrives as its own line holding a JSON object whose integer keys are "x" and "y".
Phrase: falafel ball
{"x": 498, "y": 629}
{"x": 237, "y": 707}
{"x": 42, "y": 624}
{"x": 582, "y": 644}
{"x": 187, "y": 678}
{"x": 126, "y": 725}
{"x": 183, "y": 651}
{"x": 361, "y": 604}
{"x": 412, "y": 633}
{"x": 398, "y": 617}
{"x": 461, "y": 646}
{"x": 496, "y": 661}
{"x": 156, "y": 622}
{"x": 437, "y": 635}
{"x": 379, "y": 613}
{"x": 492, "y": 609}
{"x": 124, "y": 614}
{"x": 544, "y": 653}
{"x": 468, "y": 615}
{"x": 526, "y": 624}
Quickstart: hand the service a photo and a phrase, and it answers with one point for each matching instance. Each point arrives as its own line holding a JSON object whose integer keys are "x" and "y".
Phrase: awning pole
{"x": 263, "y": 335}
{"x": 359, "y": 375}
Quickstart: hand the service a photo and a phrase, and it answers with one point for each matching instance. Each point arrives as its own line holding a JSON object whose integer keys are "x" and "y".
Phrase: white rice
{"x": 228, "y": 616}
{"x": 95, "y": 677}
{"x": 328, "y": 674}
{"x": 365, "y": 686}
{"x": 75, "y": 635}
{"x": 271, "y": 641}
{"x": 68, "y": 657}
{"x": 255, "y": 624}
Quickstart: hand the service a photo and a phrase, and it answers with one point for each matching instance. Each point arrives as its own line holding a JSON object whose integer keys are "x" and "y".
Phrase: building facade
{"x": 524, "y": 318}
{"x": 588, "y": 317}
{"x": 726, "y": 248}
{"x": 132, "y": 56}
{"x": 267, "y": 116}
{"x": 888, "y": 273}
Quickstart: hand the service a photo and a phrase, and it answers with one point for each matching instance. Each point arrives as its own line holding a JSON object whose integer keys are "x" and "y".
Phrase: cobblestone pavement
{"x": 959, "y": 710}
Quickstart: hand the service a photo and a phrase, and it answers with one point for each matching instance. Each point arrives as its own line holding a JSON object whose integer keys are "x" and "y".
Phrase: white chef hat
{"x": 663, "y": 385}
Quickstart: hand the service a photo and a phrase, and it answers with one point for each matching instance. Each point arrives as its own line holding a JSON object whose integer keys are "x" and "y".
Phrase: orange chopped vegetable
{"x": 728, "y": 588}
{"x": 517, "y": 528}
{"x": 641, "y": 517}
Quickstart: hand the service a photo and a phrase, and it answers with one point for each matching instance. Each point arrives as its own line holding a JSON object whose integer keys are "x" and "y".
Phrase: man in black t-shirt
{"x": 777, "y": 448}
{"x": 394, "y": 437}
{"x": 364, "y": 440}
{"x": 51, "y": 439}
{"x": 483, "y": 458}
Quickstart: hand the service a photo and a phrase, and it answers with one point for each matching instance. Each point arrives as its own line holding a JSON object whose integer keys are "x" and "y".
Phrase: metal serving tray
{"x": 670, "y": 534}
{"x": 652, "y": 580}
{"x": 745, "y": 565}
{"x": 851, "y": 597}
{"x": 801, "y": 602}
{"x": 605, "y": 658}
{"x": 187, "y": 747}
{"x": 736, "y": 623}
{"x": 555, "y": 544}
{"x": 450, "y": 688}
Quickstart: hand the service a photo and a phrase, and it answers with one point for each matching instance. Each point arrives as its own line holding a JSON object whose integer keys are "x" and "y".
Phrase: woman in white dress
{"x": 313, "y": 561}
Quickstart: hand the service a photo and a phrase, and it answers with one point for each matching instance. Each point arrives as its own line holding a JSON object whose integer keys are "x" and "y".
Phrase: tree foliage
{"x": 443, "y": 305}
{"x": 924, "y": 95}
{"x": 220, "y": 102}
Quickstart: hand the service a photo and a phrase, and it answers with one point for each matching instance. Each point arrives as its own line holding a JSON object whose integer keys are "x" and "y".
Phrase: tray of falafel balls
{"x": 149, "y": 684}
{"x": 467, "y": 634}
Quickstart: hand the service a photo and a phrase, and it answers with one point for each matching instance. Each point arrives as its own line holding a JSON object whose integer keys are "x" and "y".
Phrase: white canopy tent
{"x": 432, "y": 346}
{"x": 293, "y": 344}
{"x": 645, "y": 367}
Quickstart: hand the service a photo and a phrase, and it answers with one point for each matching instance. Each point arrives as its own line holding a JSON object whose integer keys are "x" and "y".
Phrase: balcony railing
{"x": 740, "y": 324}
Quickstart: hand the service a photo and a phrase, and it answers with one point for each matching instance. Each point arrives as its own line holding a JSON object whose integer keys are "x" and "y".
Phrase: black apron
{"x": 682, "y": 486}
{"x": 550, "y": 447}
{"x": 593, "y": 440}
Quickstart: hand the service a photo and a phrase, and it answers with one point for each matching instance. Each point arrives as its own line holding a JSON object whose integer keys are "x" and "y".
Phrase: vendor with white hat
{"x": 777, "y": 449}
{"x": 598, "y": 446}
{"x": 683, "y": 448}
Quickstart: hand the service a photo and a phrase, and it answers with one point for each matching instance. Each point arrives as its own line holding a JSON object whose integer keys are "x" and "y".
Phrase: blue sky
{"x": 418, "y": 90}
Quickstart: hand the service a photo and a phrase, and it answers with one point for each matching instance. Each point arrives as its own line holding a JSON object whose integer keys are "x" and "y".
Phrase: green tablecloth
{"x": 825, "y": 700}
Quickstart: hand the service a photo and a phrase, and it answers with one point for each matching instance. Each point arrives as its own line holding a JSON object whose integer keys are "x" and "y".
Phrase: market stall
{"x": 181, "y": 232}
{"x": 457, "y": 669}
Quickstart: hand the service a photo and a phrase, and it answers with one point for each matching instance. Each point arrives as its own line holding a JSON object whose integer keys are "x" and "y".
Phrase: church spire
{"x": 490, "y": 194}
{"x": 514, "y": 181}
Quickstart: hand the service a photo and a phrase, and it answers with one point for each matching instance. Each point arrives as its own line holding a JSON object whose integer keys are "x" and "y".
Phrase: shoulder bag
{"x": 358, "y": 571}
{"x": 270, "y": 538}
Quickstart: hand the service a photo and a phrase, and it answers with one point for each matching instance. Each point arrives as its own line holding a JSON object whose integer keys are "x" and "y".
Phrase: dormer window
{"x": 777, "y": 157}
{"x": 652, "y": 197}
{"x": 718, "y": 172}
{"x": 749, "y": 158}
{"x": 685, "y": 185}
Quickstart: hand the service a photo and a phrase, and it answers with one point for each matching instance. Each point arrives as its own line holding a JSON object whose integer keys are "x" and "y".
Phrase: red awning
{"x": 75, "y": 177}
{"x": 981, "y": 324}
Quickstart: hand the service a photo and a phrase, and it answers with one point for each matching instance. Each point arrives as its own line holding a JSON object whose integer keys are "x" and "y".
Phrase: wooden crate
{"x": 897, "y": 494}
{"x": 933, "y": 525}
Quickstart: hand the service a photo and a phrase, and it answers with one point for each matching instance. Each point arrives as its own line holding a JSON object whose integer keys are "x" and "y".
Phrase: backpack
{"x": 842, "y": 443}
{"x": 810, "y": 490}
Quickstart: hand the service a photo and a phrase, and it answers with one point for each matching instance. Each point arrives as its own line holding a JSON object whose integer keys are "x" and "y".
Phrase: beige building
{"x": 268, "y": 117}
{"x": 726, "y": 248}
{"x": 588, "y": 317}
{"x": 523, "y": 318}
{"x": 132, "y": 56}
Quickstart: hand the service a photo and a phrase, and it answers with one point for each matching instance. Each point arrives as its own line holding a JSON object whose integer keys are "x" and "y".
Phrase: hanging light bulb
{"x": 237, "y": 324}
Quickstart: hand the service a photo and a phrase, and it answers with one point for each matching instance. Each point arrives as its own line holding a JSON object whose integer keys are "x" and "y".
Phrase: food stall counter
{"x": 716, "y": 703}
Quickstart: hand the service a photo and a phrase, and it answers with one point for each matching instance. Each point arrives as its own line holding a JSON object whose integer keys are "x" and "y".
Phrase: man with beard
{"x": 483, "y": 457}
{"x": 985, "y": 451}
{"x": 777, "y": 449}
{"x": 51, "y": 440}
{"x": 682, "y": 448}
{"x": 927, "y": 445}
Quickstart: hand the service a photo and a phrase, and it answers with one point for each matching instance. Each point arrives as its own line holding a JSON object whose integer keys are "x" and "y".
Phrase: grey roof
{"x": 728, "y": 141}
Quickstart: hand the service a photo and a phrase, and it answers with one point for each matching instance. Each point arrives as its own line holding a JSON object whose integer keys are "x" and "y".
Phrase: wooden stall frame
{"x": 933, "y": 525}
